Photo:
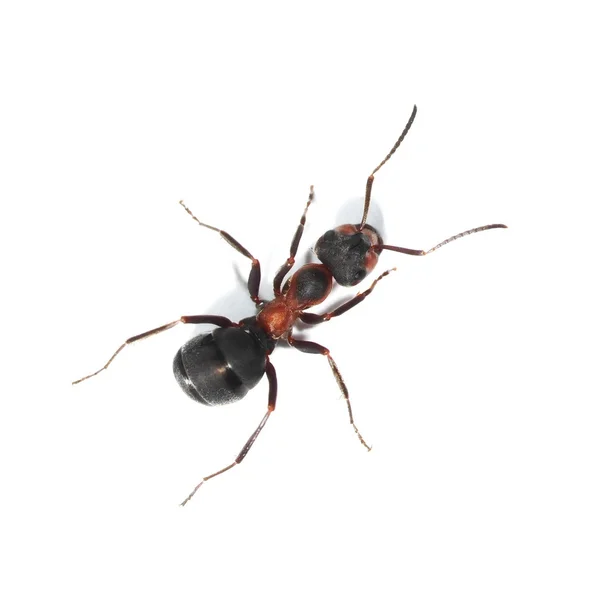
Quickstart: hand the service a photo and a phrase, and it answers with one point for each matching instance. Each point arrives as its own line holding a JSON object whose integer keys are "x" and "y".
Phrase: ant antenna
{"x": 372, "y": 175}
{"x": 450, "y": 239}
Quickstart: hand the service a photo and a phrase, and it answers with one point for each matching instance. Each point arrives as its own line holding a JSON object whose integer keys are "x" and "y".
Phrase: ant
{"x": 222, "y": 366}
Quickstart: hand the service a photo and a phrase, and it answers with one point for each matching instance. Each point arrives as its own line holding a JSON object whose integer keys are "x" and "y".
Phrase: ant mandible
{"x": 222, "y": 366}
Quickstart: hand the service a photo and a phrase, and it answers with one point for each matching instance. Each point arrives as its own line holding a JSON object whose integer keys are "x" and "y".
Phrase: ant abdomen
{"x": 220, "y": 367}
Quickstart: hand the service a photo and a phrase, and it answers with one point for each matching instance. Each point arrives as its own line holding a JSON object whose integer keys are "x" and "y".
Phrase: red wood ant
{"x": 222, "y": 366}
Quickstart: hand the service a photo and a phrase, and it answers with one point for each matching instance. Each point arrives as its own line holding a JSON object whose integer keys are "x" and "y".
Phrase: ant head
{"x": 348, "y": 252}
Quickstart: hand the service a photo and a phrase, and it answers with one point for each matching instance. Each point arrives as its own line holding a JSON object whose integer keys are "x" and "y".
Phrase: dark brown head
{"x": 347, "y": 251}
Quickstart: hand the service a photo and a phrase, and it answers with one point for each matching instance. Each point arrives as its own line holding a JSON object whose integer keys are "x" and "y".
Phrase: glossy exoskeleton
{"x": 220, "y": 367}
{"x": 223, "y": 366}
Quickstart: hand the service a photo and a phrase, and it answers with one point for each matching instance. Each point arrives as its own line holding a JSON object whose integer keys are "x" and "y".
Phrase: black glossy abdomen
{"x": 220, "y": 367}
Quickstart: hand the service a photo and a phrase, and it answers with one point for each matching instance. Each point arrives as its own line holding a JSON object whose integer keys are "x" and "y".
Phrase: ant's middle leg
{"x": 313, "y": 319}
{"x": 313, "y": 348}
{"x": 289, "y": 263}
{"x": 196, "y": 319}
{"x": 254, "y": 277}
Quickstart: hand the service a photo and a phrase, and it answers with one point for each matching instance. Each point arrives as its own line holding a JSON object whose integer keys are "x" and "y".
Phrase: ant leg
{"x": 313, "y": 348}
{"x": 289, "y": 263}
{"x": 272, "y": 377}
{"x": 371, "y": 177}
{"x": 254, "y": 277}
{"x": 212, "y": 319}
{"x": 450, "y": 239}
{"x": 313, "y": 319}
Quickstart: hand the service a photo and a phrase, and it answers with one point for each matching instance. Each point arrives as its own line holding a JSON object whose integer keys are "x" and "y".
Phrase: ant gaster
{"x": 222, "y": 366}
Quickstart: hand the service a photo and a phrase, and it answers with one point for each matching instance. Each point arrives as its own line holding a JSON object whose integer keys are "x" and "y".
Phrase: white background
{"x": 473, "y": 371}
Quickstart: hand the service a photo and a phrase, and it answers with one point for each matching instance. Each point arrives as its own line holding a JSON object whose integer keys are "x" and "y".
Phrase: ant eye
{"x": 356, "y": 240}
{"x": 360, "y": 275}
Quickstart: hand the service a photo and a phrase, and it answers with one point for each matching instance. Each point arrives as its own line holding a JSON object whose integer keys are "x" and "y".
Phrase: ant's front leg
{"x": 289, "y": 263}
{"x": 313, "y": 319}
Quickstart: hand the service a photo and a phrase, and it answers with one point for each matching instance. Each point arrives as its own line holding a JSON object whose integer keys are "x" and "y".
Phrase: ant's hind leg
{"x": 210, "y": 319}
{"x": 272, "y": 377}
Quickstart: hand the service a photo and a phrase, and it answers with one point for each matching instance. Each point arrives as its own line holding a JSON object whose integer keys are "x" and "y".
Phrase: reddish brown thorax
{"x": 276, "y": 318}
{"x": 308, "y": 287}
